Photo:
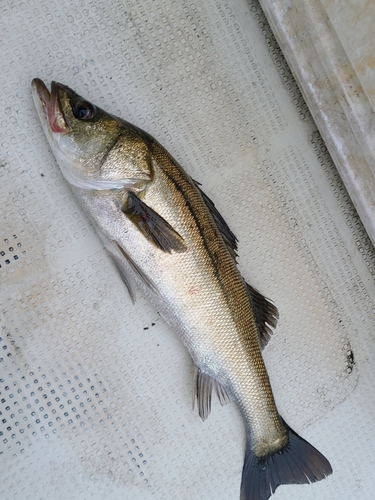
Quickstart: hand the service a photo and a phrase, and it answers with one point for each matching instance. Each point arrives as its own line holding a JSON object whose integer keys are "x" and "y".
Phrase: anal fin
{"x": 202, "y": 392}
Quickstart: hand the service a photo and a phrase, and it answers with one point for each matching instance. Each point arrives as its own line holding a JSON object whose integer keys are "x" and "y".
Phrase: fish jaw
{"x": 54, "y": 126}
{"x": 47, "y": 104}
{"x": 83, "y": 148}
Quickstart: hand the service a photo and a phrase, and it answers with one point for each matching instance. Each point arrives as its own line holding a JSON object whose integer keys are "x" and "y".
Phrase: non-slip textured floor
{"x": 95, "y": 391}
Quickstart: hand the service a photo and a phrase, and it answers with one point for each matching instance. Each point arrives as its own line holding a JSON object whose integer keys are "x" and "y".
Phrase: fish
{"x": 167, "y": 239}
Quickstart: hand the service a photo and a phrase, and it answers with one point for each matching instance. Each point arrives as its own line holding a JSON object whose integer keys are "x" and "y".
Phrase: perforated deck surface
{"x": 95, "y": 396}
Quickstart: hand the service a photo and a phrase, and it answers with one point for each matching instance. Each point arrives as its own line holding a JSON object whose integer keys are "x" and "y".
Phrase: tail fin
{"x": 297, "y": 463}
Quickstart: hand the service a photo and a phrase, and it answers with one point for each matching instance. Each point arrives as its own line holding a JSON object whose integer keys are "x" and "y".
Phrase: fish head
{"x": 94, "y": 149}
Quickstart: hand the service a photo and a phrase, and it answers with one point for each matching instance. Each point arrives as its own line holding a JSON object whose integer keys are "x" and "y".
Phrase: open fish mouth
{"x": 51, "y": 105}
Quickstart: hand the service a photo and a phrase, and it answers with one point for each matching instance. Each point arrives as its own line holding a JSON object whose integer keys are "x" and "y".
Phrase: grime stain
{"x": 350, "y": 362}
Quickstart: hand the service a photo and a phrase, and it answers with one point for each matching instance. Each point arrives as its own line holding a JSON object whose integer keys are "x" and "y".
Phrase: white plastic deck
{"x": 95, "y": 391}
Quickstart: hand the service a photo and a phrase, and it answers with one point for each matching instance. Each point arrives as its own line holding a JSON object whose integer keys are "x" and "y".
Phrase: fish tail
{"x": 296, "y": 463}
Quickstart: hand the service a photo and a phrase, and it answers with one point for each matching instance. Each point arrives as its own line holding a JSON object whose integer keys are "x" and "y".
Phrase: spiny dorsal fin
{"x": 226, "y": 233}
{"x": 156, "y": 229}
{"x": 202, "y": 391}
{"x": 266, "y": 315}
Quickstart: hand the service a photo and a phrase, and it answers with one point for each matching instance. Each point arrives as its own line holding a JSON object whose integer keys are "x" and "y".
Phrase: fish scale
{"x": 166, "y": 236}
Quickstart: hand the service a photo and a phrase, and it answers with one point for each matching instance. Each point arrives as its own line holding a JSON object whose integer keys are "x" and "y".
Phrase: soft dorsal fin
{"x": 226, "y": 233}
{"x": 202, "y": 391}
{"x": 266, "y": 314}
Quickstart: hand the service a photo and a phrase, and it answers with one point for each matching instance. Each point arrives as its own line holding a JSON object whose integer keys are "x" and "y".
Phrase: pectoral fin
{"x": 156, "y": 229}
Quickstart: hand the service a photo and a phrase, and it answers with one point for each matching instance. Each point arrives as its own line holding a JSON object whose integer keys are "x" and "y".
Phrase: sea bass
{"x": 166, "y": 237}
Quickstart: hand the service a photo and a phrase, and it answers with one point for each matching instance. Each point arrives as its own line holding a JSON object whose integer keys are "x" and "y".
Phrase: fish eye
{"x": 83, "y": 110}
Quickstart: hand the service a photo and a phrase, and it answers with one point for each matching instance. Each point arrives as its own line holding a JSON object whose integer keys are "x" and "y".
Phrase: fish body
{"x": 166, "y": 237}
